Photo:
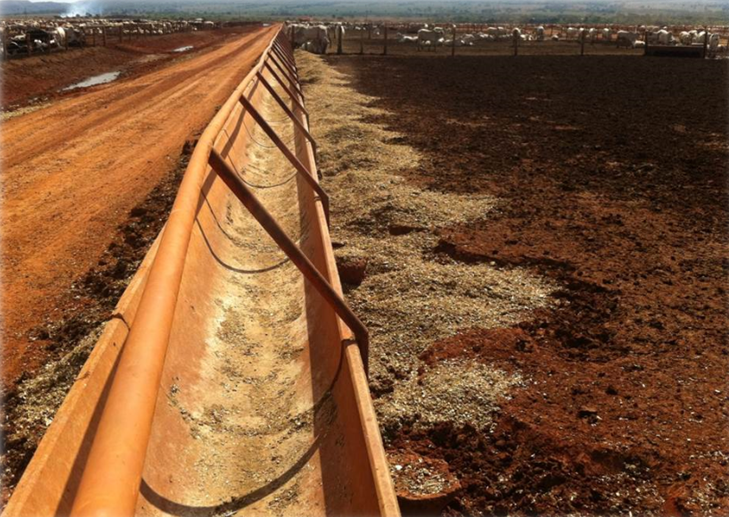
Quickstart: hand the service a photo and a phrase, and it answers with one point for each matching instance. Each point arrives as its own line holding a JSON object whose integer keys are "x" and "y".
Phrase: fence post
{"x": 340, "y": 31}
{"x": 515, "y": 34}
{"x": 384, "y": 50}
{"x": 453, "y": 43}
{"x": 103, "y": 33}
{"x": 583, "y": 35}
{"x": 706, "y": 41}
{"x": 361, "y": 41}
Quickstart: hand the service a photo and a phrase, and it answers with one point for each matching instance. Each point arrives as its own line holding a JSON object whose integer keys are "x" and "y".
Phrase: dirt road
{"x": 72, "y": 172}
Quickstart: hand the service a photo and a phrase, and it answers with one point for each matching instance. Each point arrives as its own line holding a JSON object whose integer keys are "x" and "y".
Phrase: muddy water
{"x": 95, "y": 80}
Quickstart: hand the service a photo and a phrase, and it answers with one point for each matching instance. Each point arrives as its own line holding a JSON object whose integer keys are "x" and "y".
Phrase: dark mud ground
{"x": 613, "y": 173}
{"x": 90, "y": 303}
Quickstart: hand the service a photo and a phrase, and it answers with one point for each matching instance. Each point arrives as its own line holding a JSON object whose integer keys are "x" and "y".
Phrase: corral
{"x": 603, "y": 208}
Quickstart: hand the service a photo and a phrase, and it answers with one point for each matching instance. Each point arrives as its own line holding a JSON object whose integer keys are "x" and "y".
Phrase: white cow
{"x": 573, "y": 33}
{"x": 467, "y": 40}
{"x": 714, "y": 41}
{"x": 313, "y": 39}
{"x": 430, "y": 38}
{"x": 539, "y": 33}
{"x": 662, "y": 37}
{"x": 627, "y": 39}
{"x": 404, "y": 38}
{"x": 606, "y": 34}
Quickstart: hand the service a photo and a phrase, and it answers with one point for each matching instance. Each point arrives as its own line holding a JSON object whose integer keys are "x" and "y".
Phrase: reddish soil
{"x": 72, "y": 172}
{"x": 613, "y": 176}
{"x": 38, "y": 78}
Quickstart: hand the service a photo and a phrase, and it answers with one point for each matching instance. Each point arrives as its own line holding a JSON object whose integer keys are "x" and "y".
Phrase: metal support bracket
{"x": 287, "y": 153}
{"x": 288, "y": 90}
{"x": 286, "y": 58}
{"x": 293, "y": 252}
{"x": 288, "y": 111}
{"x": 287, "y": 74}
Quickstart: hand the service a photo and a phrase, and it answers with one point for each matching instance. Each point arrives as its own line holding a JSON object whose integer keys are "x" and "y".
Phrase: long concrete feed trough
{"x": 262, "y": 404}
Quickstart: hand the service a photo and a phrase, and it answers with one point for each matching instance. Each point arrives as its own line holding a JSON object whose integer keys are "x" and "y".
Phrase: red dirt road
{"x": 72, "y": 172}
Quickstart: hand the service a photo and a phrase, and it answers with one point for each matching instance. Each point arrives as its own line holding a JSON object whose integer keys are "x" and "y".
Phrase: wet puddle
{"x": 183, "y": 49}
{"x": 93, "y": 81}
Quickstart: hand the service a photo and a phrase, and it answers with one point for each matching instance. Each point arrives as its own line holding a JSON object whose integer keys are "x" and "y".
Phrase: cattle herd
{"x": 20, "y": 37}
{"x": 318, "y": 37}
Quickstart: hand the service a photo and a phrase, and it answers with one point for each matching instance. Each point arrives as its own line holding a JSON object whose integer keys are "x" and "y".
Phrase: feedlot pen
{"x": 544, "y": 249}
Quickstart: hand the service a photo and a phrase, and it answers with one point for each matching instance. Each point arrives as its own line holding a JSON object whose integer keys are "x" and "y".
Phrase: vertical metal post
{"x": 361, "y": 41}
{"x": 583, "y": 35}
{"x": 339, "y": 40}
{"x": 384, "y": 49}
{"x": 515, "y": 35}
{"x": 453, "y": 43}
{"x": 706, "y": 41}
